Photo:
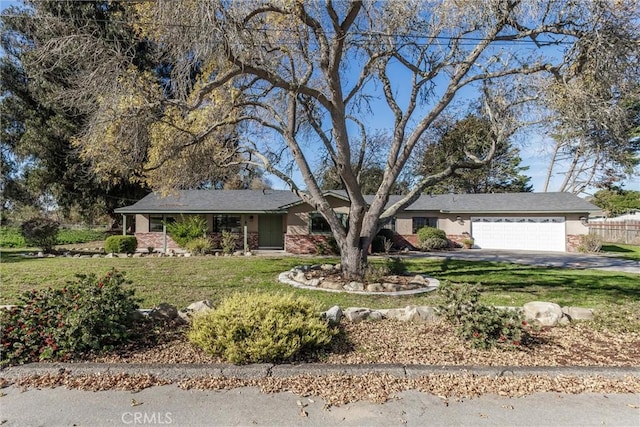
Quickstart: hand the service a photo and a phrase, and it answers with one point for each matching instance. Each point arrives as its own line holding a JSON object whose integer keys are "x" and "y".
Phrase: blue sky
{"x": 534, "y": 151}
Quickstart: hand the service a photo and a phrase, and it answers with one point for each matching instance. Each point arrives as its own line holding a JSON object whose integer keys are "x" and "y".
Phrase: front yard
{"x": 611, "y": 340}
{"x": 180, "y": 281}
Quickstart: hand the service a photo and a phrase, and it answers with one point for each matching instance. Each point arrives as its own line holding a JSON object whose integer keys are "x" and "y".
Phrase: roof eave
{"x": 197, "y": 211}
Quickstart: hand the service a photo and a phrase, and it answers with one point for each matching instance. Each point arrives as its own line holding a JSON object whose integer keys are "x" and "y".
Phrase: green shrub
{"x": 228, "y": 242}
{"x": 590, "y": 243}
{"x": 431, "y": 238}
{"x": 89, "y": 314}
{"x": 199, "y": 246}
{"x": 187, "y": 228}
{"x": 10, "y": 237}
{"x": 258, "y": 328}
{"x": 121, "y": 244}
{"x": 40, "y": 232}
{"x": 480, "y": 325}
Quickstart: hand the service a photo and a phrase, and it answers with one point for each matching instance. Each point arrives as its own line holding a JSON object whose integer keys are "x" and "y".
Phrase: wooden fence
{"x": 627, "y": 232}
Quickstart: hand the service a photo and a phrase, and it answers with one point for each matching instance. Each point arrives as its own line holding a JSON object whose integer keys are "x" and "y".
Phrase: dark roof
{"x": 503, "y": 202}
{"x": 213, "y": 201}
{"x": 247, "y": 201}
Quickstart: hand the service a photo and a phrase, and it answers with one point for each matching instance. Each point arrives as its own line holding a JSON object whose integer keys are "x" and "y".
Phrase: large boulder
{"x": 578, "y": 313}
{"x": 192, "y": 309}
{"x": 546, "y": 313}
{"x": 357, "y": 314}
{"x": 333, "y": 315}
{"x": 420, "y": 314}
{"x": 164, "y": 312}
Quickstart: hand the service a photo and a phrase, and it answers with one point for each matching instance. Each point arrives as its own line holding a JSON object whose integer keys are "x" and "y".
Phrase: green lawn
{"x": 181, "y": 281}
{"x": 622, "y": 251}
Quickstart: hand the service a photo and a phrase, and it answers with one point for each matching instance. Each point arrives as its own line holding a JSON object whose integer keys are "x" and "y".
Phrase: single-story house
{"x": 280, "y": 219}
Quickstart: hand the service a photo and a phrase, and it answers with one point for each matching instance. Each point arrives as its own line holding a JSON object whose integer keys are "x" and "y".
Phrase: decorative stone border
{"x": 294, "y": 277}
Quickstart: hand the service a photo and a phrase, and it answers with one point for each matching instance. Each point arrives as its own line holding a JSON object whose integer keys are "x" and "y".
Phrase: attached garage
{"x": 523, "y": 233}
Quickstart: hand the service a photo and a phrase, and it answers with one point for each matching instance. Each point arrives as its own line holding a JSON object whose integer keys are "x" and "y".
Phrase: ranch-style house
{"x": 278, "y": 219}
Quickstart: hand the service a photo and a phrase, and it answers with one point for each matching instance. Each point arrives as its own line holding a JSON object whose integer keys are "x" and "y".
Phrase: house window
{"x": 155, "y": 222}
{"x": 423, "y": 221}
{"x": 229, "y": 223}
{"x": 319, "y": 225}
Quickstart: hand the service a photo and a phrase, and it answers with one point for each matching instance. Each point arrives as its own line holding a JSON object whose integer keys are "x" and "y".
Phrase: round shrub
{"x": 258, "y": 328}
{"x": 40, "y": 232}
{"x": 431, "y": 238}
{"x": 90, "y": 314}
{"x": 121, "y": 244}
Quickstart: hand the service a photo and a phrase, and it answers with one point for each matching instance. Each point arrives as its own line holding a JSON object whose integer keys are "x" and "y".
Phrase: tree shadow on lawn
{"x": 15, "y": 257}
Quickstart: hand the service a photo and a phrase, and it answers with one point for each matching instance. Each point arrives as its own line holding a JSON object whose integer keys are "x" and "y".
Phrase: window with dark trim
{"x": 319, "y": 225}
{"x": 229, "y": 223}
{"x": 155, "y": 222}
{"x": 423, "y": 221}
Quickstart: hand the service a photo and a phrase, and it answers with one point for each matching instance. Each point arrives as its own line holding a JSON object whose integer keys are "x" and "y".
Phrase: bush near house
{"x": 187, "y": 228}
{"x": 431, "y": 238}
{"x": 120, "y": 244}
{"x": 259, "y": 328}
{"x": 199, "y": 246}
{"x": 90, "y": 314}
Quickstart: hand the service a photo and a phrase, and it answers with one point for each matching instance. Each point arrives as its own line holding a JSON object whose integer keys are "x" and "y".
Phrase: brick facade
{"x": 155, "y": 240}
{"x": 305, "y": 243}
{"x": 573, "y": 241}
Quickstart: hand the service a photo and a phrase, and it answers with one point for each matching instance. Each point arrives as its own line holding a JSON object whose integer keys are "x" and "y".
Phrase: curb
{"x": 257, "y": 371}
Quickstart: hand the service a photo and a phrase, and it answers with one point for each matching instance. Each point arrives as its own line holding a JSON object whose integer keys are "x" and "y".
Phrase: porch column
{"x": 164, "y": 233}
{"x": 124, "y": 224}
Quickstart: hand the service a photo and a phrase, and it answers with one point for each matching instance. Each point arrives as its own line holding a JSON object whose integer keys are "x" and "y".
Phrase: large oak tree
{"x": 286, "y": 82}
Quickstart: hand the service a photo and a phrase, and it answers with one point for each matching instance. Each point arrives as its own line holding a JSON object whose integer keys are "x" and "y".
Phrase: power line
{"x": 442, "y": 40}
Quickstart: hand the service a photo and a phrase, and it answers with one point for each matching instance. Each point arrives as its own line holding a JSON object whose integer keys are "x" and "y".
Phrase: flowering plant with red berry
{"x": 90, "y": 314}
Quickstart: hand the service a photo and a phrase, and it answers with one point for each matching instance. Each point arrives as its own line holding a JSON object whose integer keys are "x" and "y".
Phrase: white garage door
{"x": 525, "y": 233}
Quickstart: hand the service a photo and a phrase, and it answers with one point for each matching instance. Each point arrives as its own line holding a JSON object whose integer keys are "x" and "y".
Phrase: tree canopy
{"x": 279, "y": 84}
{"x": 502, "y": 174}
{"x": 617, "y": 202}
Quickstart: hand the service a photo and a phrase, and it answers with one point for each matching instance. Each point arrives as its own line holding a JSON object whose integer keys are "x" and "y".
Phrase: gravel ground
{"x": 394, "y": 342}
{"x": 390, "y": 341}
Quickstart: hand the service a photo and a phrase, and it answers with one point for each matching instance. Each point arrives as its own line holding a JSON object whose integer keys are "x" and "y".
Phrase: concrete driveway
{"x": 545, "y": 259}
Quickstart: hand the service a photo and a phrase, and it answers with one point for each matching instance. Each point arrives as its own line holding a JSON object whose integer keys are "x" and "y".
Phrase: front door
{"x": 270, "y": 232}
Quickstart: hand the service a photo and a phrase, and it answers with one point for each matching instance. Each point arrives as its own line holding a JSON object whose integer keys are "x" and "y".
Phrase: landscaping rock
{"x": 375, "y": 287}
{"x": 192, "y": 309}
{"x": 164, "y": 312}
{"x": 578, "y": 313}
{"x": 326, "y": 267}
{"x": 354, "y": 286}
{"x": 333, "y": 315}
{"x": 357, "y": 314}
{"x": 110, "y": 255}
{"x": 421, "y": 314}
{"x": 419, "y": 280}
{"x": 300, "y": 277}
{"x": 546, "y": 313}
{"x": 327, "y": 284}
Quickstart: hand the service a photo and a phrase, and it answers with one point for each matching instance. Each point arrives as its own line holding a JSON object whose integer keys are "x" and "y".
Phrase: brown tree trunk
{"x": 353, "y": 260}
